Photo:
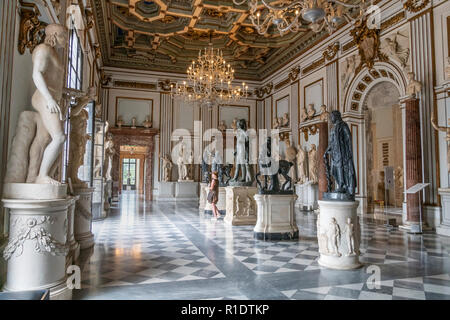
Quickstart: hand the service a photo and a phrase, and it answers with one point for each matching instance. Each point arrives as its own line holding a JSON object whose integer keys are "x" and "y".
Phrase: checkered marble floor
{"x": 169, "y": 251}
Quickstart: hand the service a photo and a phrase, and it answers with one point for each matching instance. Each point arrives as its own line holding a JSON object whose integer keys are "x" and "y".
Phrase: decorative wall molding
{"x": 393, "y": 20}
{"x": 281, "y": 84}
{"x": 165, "y": 85}
{"x": 135, "y": 85}
{"x": 313, "y": 66}
{"x": 331, "y": 51}
{"x": 294, "y": 73}
{"x": 415, "y": 6}
{"x": 31, "y": 29}
{"x": 368, "y": 42}
{"x": 309, "y": 130}
{"x": 264, "y": 90}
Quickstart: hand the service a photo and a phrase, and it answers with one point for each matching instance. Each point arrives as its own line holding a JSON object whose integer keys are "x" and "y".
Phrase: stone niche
{"x": 134, "y": 137}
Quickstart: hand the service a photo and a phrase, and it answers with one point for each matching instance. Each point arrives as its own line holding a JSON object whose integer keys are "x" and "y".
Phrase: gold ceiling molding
{"x": 393, "y": 20}
{"x": 31, "y": 30}
{"x": 293, "y": 74}
{"x": 415, "y": 5}
{"x": 368, "y": 43}
{"x": 267, "y": 89}
{"x": 135, "y": 85}
{"x": 331, "y": 51}
{"x": 313, "y": 66}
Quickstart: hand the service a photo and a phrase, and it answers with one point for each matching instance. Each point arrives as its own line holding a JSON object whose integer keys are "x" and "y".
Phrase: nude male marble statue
{"x": 414, "y": 86}
{"x": 40, "y": 135}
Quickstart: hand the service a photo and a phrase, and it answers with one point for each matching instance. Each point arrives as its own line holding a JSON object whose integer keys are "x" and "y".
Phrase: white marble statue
{"x": 301, "y": 165}
{"x": 447, "y": 135}
{"x": 349, "y": 232}
{"x": 34, "y": 152}
{"x": 147, "y": 123}
{"x": 311, "y": 111}
{"x": 284, "y": 121}
{"x": 133, "y": 123}
{"x": 395, "y": 50}
{"x": 98, "y": 110}
{"x": 324, "y": 113}
{"x": 304, "y": 115}
{"x": 98, "y": 150}
{"x": 414, "y": 86}
{"x": 334, "y": 238}
{"x": 312, "y": 164}
{"x": 183, "y": 170}
{"x": 110, "y": 151}
{"x": 291, "y": 155}
{"x": 78, "y": 136}
{"x": 167, "y": 168}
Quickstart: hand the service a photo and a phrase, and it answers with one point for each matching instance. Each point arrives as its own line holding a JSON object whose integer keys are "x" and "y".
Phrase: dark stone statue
{"x": 339, "y": 161}
{"x": 224, "y": 174}
{"x": 267, "y": 170}
{"x": 206, "y": 174}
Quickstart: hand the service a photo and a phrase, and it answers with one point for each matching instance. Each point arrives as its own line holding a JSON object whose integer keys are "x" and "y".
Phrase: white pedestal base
{"x": 240, "y": 206}
{"x": 37, "y": 248}
{"x": 203, "y": 196}
{"x": 276, "y": 217}
{"x": 338, "y": 240}
{"x": 221, "y": 204}
{"x": 178, "y": 191}
{"x": 34, "y": 191}
{"x": 308, "y": 195}
{"x": 443, "y": 228}
{"x": 83, "y": 218}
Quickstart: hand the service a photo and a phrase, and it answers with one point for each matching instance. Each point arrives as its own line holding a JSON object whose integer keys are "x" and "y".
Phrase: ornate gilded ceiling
{"x": 166, "y": 35}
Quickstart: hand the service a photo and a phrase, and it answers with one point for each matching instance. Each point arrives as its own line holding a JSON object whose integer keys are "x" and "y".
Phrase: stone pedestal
{"x": 221, "y": 204}
{"x": 276, "y": 217}
{"x": 83, "y": 218}
{"x": 74, "y": 247}
{"x": 203, "y": 196}
{"x": 444, "y": 226}
{"x": 37, "y": 248}
{"x": 178, "y": 191}
{"x": 308, "y": 195}
{"x": 166, "y": 191}
{"x": 107, "y": 198}
{"x": 240, "y": 206}
{"x": 338, "y": 237}
{"x": 186, "y": 191}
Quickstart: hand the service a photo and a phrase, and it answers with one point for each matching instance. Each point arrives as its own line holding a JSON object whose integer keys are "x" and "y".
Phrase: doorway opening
{"x": 132, "y": 169}
{"x": 384, "y": 149}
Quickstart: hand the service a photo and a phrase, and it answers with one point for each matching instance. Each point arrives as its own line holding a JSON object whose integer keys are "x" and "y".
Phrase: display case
{"x": 98, "y": 182}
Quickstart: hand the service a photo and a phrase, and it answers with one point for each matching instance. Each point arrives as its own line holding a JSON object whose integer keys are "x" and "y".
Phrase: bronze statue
{"x": 341, "y": 168}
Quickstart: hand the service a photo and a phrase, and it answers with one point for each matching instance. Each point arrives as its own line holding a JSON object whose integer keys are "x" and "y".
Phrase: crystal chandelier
{"x": 290, "y": 15}
{"x": 209, "y": 80}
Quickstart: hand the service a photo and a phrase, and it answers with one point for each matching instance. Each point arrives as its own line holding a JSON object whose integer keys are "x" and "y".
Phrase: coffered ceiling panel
{"x": 166, "y": 35}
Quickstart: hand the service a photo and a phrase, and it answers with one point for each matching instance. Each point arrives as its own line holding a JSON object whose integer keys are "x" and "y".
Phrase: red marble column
{"x": 323, "y": 144}
{"x": 413, "y": 155}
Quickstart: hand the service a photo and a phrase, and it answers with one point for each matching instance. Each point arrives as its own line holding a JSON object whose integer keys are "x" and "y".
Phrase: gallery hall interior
{"x": 269, "y": 150}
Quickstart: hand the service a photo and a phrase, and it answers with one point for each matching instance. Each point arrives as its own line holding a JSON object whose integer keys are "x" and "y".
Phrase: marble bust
{"x": 311, "y": 111}
{"x": 222, "y": 126}
{"x": 414, "y": 86}
{"x": 147, "y": 123}
{"x": 323, "y": 113}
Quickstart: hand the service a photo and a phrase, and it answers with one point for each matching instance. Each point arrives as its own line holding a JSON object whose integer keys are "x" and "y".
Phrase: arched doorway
{"x": 372, "y": 110}
{"x": 384, "y": 148}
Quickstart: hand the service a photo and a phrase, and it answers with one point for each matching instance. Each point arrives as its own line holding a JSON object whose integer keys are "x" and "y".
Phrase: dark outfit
{"x": 213, "y": 195}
